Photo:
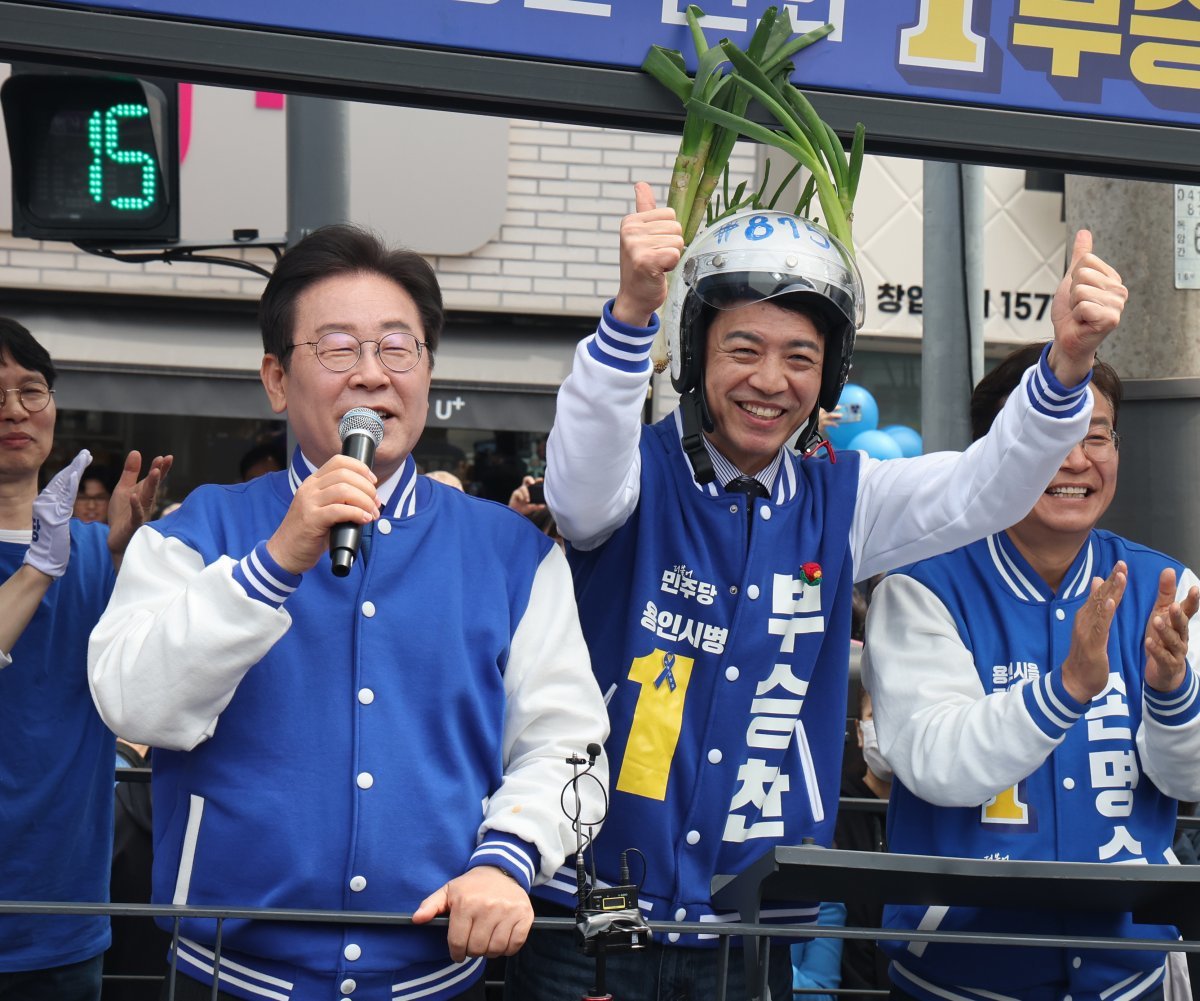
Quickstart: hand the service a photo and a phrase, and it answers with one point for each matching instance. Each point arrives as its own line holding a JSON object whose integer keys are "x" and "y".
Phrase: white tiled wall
{"x": 1024, "y": 244}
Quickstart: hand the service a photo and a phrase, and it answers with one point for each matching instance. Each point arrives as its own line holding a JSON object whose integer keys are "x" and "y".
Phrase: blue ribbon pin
{"x": 667, "y": 674}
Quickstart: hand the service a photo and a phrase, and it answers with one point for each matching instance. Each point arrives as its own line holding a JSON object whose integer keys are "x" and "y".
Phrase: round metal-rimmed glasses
{"x": 340, "y": 352}
{"x": 1101, "y": 444}
{"x": 34, "y": 397}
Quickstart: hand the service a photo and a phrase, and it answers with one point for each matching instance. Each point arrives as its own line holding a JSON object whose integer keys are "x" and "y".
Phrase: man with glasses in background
{"x": 391, "y": 740}
{"x": 1031, "y": 710}
{"x": 91, "y": 503}
{"x": 56, "y": 756}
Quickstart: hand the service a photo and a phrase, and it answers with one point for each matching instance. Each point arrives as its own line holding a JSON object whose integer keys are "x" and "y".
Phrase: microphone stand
{"x": 598, "y": 993}
{"x": 608, "y": 919}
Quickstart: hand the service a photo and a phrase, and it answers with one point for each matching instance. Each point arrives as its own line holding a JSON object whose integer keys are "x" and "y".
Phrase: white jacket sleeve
{"x": 554, "y": 710}
{"x": 947, "y": 741}
{"x": 910, "y": 509}
{"x": 175, "y": 641}
{"x": 1168, "y": 742}
{"x": 593, "y": 466}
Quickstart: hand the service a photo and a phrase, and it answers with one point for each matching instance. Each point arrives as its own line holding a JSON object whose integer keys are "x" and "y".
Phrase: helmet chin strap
{"x": 808, "y": 433}
{"x": 696, "y": 420}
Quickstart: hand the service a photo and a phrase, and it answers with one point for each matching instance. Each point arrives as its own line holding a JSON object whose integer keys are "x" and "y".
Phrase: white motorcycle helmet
{"x": 752, "y": 256}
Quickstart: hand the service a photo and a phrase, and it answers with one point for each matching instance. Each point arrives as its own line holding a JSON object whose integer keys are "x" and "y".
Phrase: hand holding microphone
{"x": 340, "y": 493}
{"x": 361, "y": 431}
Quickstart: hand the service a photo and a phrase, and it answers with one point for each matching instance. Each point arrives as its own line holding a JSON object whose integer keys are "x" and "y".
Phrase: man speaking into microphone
{"x": 392, "y": 738}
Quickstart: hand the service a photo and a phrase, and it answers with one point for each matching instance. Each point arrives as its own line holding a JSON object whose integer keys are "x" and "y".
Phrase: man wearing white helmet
{"x": 713, "y": 567}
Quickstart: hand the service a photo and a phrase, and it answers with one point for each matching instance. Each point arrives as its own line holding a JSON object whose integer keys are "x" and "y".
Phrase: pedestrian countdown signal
{"x": 95, "y": 158}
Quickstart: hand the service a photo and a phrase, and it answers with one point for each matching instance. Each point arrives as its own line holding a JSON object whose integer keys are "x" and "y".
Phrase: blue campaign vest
{"x": 725, "y": 670}
{"x": 1077, "y": 807}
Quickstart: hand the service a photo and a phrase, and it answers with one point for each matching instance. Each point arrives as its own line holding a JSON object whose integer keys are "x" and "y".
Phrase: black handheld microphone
{"x": 361, "y": 431}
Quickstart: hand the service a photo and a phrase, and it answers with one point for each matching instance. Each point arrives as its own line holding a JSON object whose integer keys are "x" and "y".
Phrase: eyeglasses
{"x": 340, "y": 352}
{"x": 91, "y": 498}
{"x": 34, "y": 397}
{"x": 1101, "y": 444}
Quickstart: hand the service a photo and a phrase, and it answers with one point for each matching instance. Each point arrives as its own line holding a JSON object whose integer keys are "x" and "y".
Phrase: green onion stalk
{"x": 716, "y": 102}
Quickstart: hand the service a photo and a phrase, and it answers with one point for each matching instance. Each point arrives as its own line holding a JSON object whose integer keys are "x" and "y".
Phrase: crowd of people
{"x": 668, "y": 609}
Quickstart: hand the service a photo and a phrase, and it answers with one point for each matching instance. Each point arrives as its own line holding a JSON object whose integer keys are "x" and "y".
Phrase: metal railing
{"x": 221, "y": 915}
{"x": 177, "y": 913}
{"x": 723, "y": 932}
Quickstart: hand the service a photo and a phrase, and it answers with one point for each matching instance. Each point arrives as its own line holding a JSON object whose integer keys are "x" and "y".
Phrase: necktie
{"x": 749, "y": 486}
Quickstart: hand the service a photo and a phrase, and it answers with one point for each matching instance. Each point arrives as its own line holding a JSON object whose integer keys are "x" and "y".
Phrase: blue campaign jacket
{"x": 737, "y": 747}
{"x": 1090, "y": 801}
{"x": 56, "y": 765}
{"x": 367, "y": 757}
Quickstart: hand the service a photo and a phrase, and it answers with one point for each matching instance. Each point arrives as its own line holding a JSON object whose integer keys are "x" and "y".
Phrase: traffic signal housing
{"x": 95, "y": 157}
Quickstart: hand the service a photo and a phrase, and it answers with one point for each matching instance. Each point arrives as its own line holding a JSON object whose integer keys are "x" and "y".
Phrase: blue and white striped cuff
{"x": 1051, "y": 397}
{"x": 1177, "y": 707}
{"x": 1050, "y": 705}
{"x": 621, "y": 346}
{"x": 263, "y": 579}
{"x": 516, "y": 857}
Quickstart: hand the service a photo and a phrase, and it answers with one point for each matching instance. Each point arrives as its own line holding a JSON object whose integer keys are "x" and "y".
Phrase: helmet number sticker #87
{"x": 761, "y": 227}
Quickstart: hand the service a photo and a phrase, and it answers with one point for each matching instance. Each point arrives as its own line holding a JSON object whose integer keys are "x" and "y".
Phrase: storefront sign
{"x": 1187, "y": 236}
{"x": 516, "y": 408}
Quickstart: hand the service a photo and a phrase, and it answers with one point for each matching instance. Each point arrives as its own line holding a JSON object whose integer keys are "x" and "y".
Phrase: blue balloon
{"x": 907, "y": 438}
{"x": 860, "y": 413}
{"x": 877, "y": 444}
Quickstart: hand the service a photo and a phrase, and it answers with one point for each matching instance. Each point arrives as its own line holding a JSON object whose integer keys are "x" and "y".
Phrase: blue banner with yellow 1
{"x": 1129, "y": 60}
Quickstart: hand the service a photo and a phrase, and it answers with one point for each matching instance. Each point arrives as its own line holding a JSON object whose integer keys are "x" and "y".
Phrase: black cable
{"x": 583, "y": 840}
{"x": 576, "y": 818}
{"x": 190, "y": 255}
{"x": 637, "y": 852}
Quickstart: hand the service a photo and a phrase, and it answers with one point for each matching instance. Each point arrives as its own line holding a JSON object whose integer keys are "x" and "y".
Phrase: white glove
{"x": 51, "y": 545}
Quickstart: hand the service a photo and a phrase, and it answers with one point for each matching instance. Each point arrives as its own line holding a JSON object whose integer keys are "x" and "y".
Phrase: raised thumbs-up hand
{"x": 1087, "y": 308}
{"x": 651, "y": 246}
